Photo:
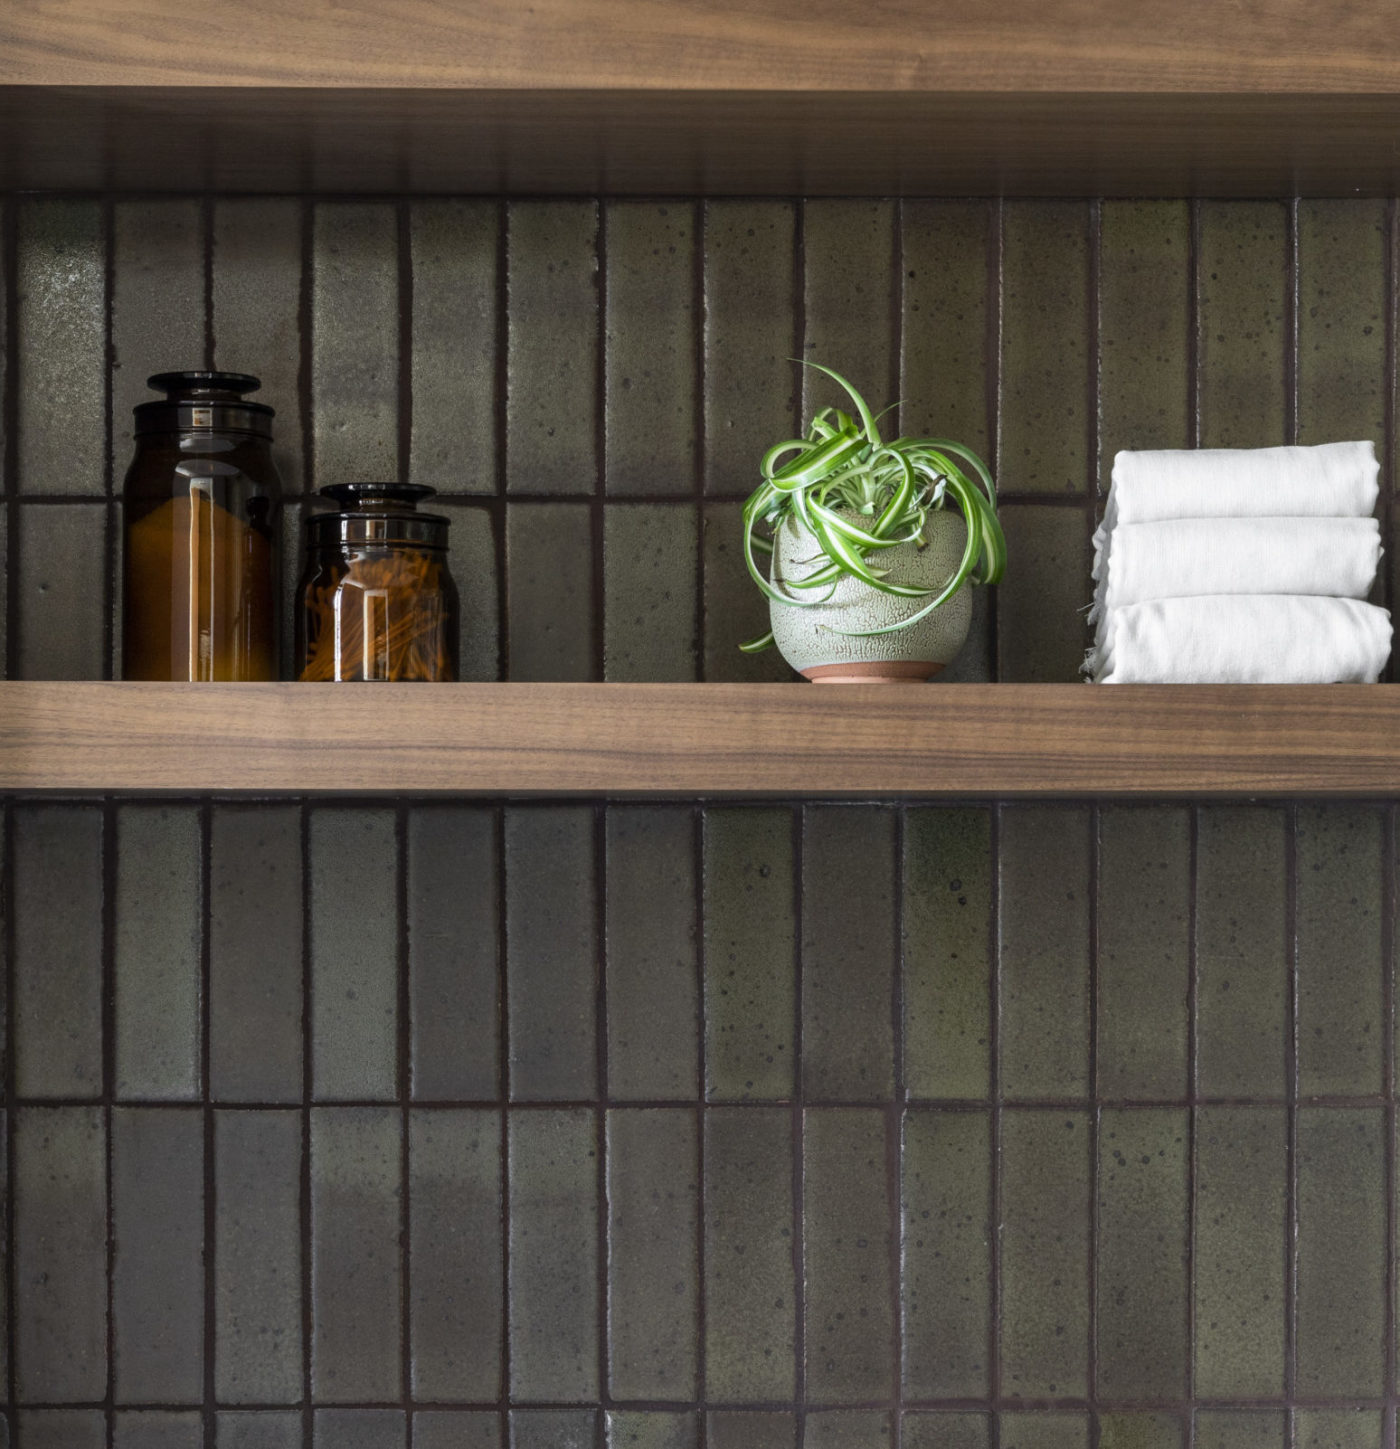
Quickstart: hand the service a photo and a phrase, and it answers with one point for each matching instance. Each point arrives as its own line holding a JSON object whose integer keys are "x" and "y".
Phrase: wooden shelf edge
{"x": 692, "y": 740}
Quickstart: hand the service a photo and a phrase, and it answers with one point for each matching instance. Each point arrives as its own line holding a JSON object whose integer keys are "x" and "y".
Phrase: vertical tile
{"x": 848, "y": 252}
{"x": 455, "y": 1232}
{"x": 60, "y": 305}
{"x": 354, "y": 954}
{"x": 945, "y": 302}
{"x": 455, "y": 247}
{"x": 848, "y": 958}
{"x": 653, "y": 1227}
{"x": 1242, "y": 958}
{"x": 946, "y": 1431}
{"x": 551, "y": 951}
{"x": 157, "y": 305}
{"x": 653, "y": 1005}
{"x": 1141, "y": 1278}
{"x": 735, "y": 610}
{"x": 751, "y": 1429}
{"x": 58, "y": 950}
{"x": 60, "y": 1254}
{"x": 1041, "y": 633}
{"x": 62, "y": 1428}
{"x": 1144, "y": 328}
{"x": 257, "y": 245}
{"x": 553, "y": 1428}
{"x": 846, "y": 1230}
{"x": 62, "y": 624}
{"x": 257, "y": 1429}
{"x": 361, "y": 1428}
{"x": 948, "y": 885}
{"x": 157, "y": 1429}
{"x": 549, "y": 590}
{"x": 847, "y": 1429}
{"x": 946, "y": 1254}
{"x": 454, "y": 953}
{"x": 1241, "y": 1429}
{"x": 651, "y": 1430}
{"x": 475, "y": 567}
{"x": 1341, "y": 1253}
{"x": 1045, "y": 1189}
{"x": 1239, "y": 1251}
{"x": 257, "y": 1257}
{"x": 1046, "y": 369}
{"x": 750, "y": 953}
{"x": 1339, "y": 1429}
{"x": 650, "y": 629}
{"x": 354, "y": 341}
{"x": 456, "y": 1429}
{"x": 255, "y": 975}
{"x": 355, "y": 1224}
{"x": 552, "y": 353}
{"x": 1144, "y": 950}
{"x": 650, "y": 331}
{"x": 1242, "y": 303}
{"x": 1039, "y": 1430}
{"x": 1340, "y": 1006}
{"x": 1045, "y": 909}
{"x": 553, "y": 1250}
{"x": 157, "y": 952}
{"x": 158, "y": 1250}
{"x": 750, "y": 400}
{"x": 1141, "y": 1431}
{"x": 750, "y": 1284}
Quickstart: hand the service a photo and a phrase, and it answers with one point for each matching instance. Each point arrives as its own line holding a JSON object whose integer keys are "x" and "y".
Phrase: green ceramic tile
{"x": 1340, "y": 970}
{"x": 1039, "y": 1430}
{"x": 472, "y": 559}
{"x": 1241, "y": 1168}
{"x": 257, "y": 264}
{"x": 361, "y": 1428}
{"x": 1144, "y": 328}
{"x": 455, "y": 1228}
{"x": 62, "y": 626}
{"x": 258, "y": 1429}
{"x": 1141, "y": 1277}
{"x": 1338, "y": 1429}
{"x": 61, "y": 1428}
{"x": 158, "y": 930}
{"x": 651, "y": 1430}
{"x": 734, "y": 608}
{"x": 1242, "y": 280}
{"x": 1045, "y": 908}
{"x": 948, "y": 883}
{"x": 650, "y": 325}
{"x": 754, "y": 1429}
{"x": 551, "y": 951}
{"x": 60, "y": 301}
{"x": 653, "y": 991}
{"x": 653, "y": 1235}
{"x": 554, "y": 1429}
{"x": 750, "y": 953}
{"x": 946, "y": 1431}
{"x": 650, "y": 624}
{"x": 847, "y": 1429}
{"x": 1041, "y": 633}
{"x": 750, "y": 384}
{"x": 946, "y": 1274}
{"x": 750, "y": 1288}
{"x": 157, "y": 305}
{"x": 1341, "y": 1253}
{"x": 157, "y": 1429}
{"x": 1240, "y": 1429}
{"x": 355, "y": 341}
{"x": 1046, "y": 369}
{"x": 549, "y": 582}
{"x": 552, "y": 352}
{"x": 456, "y": 1429}
{"x": 1144, "y": 950}
{"x": 553, "y": 1249}
{"x": 1241, "y": 954}
{"x": 1141, "y": 1431}
{"x": 850, "y": 1303}
{"x": 1045, "y": 1188}
{"x": 848, "y": 288}
{"x": 455, "y": 251}
{"x": 849, "y": 955}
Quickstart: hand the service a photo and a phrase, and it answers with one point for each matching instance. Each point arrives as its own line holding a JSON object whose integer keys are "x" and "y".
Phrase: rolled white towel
{"x": 1336, "y": 557}
{"x": 1243, "y": 639}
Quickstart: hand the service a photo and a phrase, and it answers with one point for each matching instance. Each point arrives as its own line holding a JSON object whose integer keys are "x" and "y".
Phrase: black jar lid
{"x": 377, "y": 513}
{"x": 204, "y": 402}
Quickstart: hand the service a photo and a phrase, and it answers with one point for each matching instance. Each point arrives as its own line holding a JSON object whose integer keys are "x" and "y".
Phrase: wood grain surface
{"x": 940, "y": 742}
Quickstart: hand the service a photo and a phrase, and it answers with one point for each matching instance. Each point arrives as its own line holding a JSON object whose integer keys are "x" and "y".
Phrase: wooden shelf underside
{"x": 692, "y": 740}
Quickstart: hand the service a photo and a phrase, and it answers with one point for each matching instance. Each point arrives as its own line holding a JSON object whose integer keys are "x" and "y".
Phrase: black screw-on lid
{"x": 198, "y": 401}
{"x": 378, "y": 513}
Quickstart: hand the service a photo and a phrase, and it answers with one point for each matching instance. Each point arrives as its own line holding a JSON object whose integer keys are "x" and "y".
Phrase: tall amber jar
{"x": 203, "y": 508}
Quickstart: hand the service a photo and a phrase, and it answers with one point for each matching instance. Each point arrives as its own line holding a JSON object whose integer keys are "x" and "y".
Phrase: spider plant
{"x": 843, "y": 467}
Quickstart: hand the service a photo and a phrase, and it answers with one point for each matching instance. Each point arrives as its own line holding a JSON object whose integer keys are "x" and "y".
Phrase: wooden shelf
{"x": 679, "y": 740}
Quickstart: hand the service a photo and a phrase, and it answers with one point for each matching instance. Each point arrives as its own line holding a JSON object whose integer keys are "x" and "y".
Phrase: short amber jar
{"x": 377, "y": 600}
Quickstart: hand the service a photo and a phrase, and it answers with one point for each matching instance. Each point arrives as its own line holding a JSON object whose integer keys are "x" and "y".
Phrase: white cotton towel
{"x": 1244, "y": 639}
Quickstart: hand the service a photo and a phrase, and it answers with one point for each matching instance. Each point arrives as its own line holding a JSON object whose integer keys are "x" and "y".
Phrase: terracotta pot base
{"x": 889, "y": 671}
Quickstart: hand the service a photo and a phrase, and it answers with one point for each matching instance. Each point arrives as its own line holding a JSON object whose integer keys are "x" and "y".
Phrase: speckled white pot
{"x": 808, "y": 639}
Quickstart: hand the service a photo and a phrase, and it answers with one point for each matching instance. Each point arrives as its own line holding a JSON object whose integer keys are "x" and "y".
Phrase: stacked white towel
{"x": 1239, "y": 566}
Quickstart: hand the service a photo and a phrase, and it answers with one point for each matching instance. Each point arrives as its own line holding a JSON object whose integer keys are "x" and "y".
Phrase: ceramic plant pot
{"x": 808, "y": 638}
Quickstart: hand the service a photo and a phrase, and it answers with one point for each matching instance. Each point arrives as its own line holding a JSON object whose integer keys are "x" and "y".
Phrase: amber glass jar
{"x": 202, "y": 518}
{"x": 377, "y": 600}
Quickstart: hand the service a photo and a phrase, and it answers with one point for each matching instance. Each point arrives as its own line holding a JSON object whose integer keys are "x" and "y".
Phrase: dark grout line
{"x": 405, "y": 1085}
{"x": 9, "y": 427}
{"x": 995, "y": 1191}
{"x": 1290, "y": 329}
{"x": 799, "y": 1339}
{"x": 600, "y": 907}
{"x": 403, "y": 225}
{"x": 211, "y": 1186}
{"x": 996, "y": 278}
{"x": 501, "y": 410}
{"x": 1096, "y": 1120}
{"x": 206, "y": 222}
{"x": 1193, "y": 333}
{"x": 109, "y": 1077}
{"x": 1388, "y": 1025}
{"x": 894, "y": 1126}
{"x": 1388, "y": 438}
{"x": 597, "y": 499}
{"x": 697, "y": 845}
{"x": 1290, "y": 1287}
{"x": 307, "y": 1084}
{"x": 110, "y": 590}
{"x": 503, "y": 1077}
{"x": 7, "y": 947}
{"x": 700, "y": 235}
{"x": 1192, "y": 1116}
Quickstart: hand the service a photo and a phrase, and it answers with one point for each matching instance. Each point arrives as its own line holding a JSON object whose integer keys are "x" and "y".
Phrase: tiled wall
{"x": 668, "y": 1127}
